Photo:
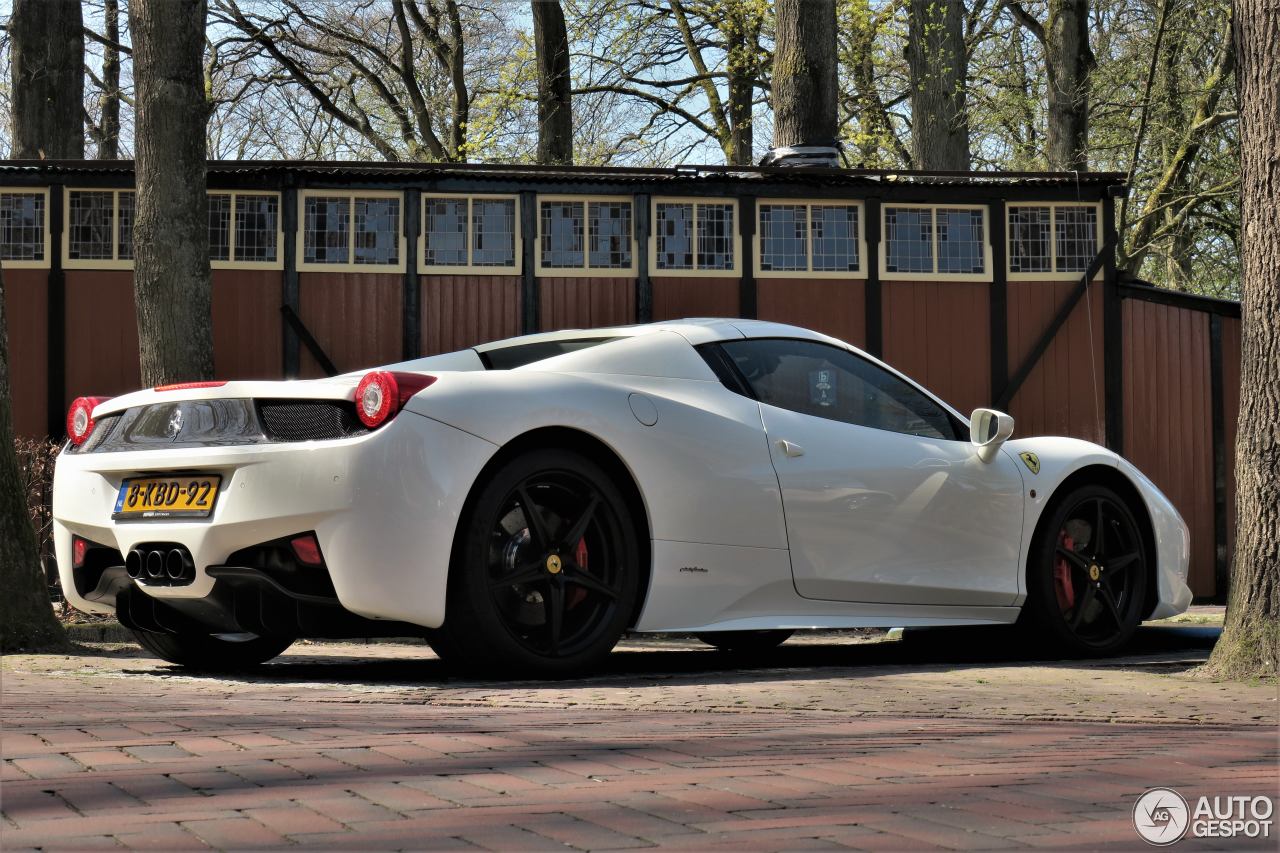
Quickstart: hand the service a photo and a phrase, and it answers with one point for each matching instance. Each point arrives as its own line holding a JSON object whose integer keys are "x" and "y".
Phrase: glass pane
{"x": 219, "y": 227}
{"x": 22, "y": 226}
{"x": 784, "y": 237}
{"x": 125, "y": 212}
{"x": 715, "y": 237}
{"x": 609, "y": 229}
{"x": 377, "y": 230}
{"x": 1029, "y": 239}
{"x": 324, "y": 229}
{"x": 674, "y": 228}
{"x": 90, "y": 236}
{"x": 835, "y": 238}
{"x": 828, "y": 382}
{"x": 561, "y": 229}
{"x": 257, "y": 228}
{"x": 493, "y": 231}
{"x": 961, "y": 241}
{"x": 1076, "y": 230}
{"x": 908, "y": 239}
{"x": 446, "y": 232}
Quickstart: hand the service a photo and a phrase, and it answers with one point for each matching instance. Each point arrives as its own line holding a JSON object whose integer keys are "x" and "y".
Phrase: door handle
{"x": 790, "y": 448}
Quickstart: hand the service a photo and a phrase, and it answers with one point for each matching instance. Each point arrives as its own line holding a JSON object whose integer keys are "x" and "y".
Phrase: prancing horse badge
{"x": 1031, "y": 461}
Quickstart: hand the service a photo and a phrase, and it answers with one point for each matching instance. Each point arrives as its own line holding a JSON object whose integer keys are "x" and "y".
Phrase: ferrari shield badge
{"x": 1031, "y": 461}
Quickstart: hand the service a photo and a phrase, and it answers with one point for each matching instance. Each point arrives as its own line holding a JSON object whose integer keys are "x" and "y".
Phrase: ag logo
{"x": 1031, "y": 461}
{"x": 1161, "y": 816}
{"x": 175, "y": 423}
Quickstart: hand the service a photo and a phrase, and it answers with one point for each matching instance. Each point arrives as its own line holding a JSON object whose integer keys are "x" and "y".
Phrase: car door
{"x": 885, "y": 500}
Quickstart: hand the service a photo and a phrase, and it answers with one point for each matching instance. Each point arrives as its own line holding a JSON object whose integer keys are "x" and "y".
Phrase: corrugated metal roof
{"x": 583, "y": 174}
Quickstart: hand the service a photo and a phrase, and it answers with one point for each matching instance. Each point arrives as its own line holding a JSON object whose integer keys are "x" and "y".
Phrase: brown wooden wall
{"x": 356, "y": 318}
{"x": 833, "y": 306}
{"x": 101, "y": 334}
{"x": 1168, "y": 419}
{"x": 938, "y": 333}
{"x": 1064, "y": 393}
{"x": 247, "y": 333}
{"x": 26, "y": 304}
{"x": 695, "y": 296}
{"x": 584, "y": 302}
{"x": 460, "y": 311}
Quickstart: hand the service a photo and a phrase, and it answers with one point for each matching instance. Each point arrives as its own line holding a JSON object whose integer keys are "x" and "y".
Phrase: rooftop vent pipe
{"x": 812, "y": 156}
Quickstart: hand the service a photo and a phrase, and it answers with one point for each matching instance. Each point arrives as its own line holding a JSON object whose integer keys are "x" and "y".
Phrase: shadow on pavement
{"x": 1154, "y": 648}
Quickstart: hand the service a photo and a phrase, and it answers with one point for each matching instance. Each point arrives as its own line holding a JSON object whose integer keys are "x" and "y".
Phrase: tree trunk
{"x": 171, "y": 279}
{"x": 47, "y": 63}
{"x": 555, "y": 108}
{"x": 743, "y": 65}
{"x": 1250, "y": 639}
{"x": 26, "y": 616}
{"x": 1068, "y": 62}
{"x": 805, "y": 102}
{"x": 938, "y": 63}
{"x": 109, "y": 123}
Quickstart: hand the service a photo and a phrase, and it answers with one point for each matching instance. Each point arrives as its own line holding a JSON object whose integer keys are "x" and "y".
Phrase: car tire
{"x": 548, "y": 598}
{"x": 1085, "y": 595}
{"x": 208, "y": 653}
{"x": 745, "y": 642}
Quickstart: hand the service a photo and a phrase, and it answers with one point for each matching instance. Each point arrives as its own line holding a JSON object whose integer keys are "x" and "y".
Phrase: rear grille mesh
{"x": 309, "y": 420}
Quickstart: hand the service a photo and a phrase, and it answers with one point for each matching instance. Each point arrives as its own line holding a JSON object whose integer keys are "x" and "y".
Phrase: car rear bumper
{"x": 384, "y": 507}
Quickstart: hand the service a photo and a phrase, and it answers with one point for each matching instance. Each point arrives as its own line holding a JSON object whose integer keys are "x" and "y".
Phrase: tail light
{"x": 307, "y": 549}
{"x": 79, "y": 548}
{"x": 381, "y": 394}
{"x": 80, "y": 421}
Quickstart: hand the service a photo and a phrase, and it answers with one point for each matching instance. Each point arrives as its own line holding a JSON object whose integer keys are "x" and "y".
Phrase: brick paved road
{"x": 828, "y": 744}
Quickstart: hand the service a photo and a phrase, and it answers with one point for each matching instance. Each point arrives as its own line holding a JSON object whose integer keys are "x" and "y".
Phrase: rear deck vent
{"x": 309, "y": 420}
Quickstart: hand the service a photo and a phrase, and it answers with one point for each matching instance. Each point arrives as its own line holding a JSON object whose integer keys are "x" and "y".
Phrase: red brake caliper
{"x": 1062, "y": 585}
{"x": 579, "y": 557}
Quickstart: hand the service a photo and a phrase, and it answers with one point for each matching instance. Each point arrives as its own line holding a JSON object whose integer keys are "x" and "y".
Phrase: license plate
{"x": 183, "y": 496}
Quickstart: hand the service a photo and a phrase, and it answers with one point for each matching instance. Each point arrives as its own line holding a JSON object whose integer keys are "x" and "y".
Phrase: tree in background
{"x": 26, "y": 619}
{"x": 105, "y": 132}
{"x": 805, "y": 107}
{"x": 171, "y": 279}
{"x": 1064, "y": 36}
{"x": 47, "y": 70}
{"x": 1250, "y": 642}
{"x": 555, "y": 107}
{"x": 939, "y": 65}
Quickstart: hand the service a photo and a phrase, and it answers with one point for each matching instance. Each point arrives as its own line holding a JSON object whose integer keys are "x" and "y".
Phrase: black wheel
{"x": 212, "y": 654}
{"x": 545, "y": 571}
{"x": 1087, "y": 577}
{"x": 745, "y": 641}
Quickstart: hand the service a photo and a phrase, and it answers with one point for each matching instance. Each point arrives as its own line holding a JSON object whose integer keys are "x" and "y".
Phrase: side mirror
{"x": 988, "y": 429}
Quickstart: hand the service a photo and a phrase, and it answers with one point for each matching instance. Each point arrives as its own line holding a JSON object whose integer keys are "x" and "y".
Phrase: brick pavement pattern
{"x": 367, "y": 747}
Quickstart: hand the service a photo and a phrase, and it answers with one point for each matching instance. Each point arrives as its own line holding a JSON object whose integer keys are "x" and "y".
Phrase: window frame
{"x": 694, "y": 271}
{"x": 986, "y": 276}
{"x": 757, "y": 258}
{"x": 300, "y": 249}
{"x": 586, "y": 270}
{"x": 1053, "y": 274}
{"x": 232, "y": 263}
{"x": 115, "y": 262}
{"x": 46, "y": 263}
{"x": 469, "y": 268}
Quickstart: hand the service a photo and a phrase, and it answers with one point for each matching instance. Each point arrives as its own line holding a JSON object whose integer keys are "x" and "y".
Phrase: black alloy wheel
{"x": 548, "y": 572}
{"x": 1088, "y": 578}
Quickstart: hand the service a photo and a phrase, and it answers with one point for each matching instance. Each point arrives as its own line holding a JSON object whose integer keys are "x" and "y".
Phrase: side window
{"x": 828, "y": 382}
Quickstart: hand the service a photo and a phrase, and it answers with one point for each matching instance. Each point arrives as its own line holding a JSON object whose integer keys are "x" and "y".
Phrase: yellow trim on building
{"x": 585, "y": 271}
{"x": 44, "y": 263}
{"x": 1068, "y": 275}
{"x": 985, "y": 275}
{"x": 115, "y": 262}
{"x": 469, "y": 268}
{"x": 694, "y": 272}
{"x": 232, "y": 263}
{"x": 809, "y": 272}
{"x": 350, "y": 265}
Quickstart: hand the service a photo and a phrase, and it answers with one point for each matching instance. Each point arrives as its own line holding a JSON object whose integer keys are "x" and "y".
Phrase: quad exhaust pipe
{"x": 160, "y": 564}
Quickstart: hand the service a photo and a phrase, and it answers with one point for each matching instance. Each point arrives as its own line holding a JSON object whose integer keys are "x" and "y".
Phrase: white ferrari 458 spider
{"x": 523, "y": 503}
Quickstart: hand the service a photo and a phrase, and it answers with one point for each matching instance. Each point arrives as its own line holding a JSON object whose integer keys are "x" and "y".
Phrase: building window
{"x": 1046, "y": 240}
{"x": 219, "y": 227}
{"x": 577, "y": 236}
{"x": 244, "y": 230}
{"x": 24, "y": 230}
{"x": 359, "y": 231}
{"x": 694, "y": 236}
{"x": 463, "y": 233}
{"x": 99, "y": 229}
{"x": 946, "y": 241}
{"x": 817, "y": 238}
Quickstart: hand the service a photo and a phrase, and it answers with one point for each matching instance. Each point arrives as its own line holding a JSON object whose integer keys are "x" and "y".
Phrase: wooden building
{"x": 990, "y": 288}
